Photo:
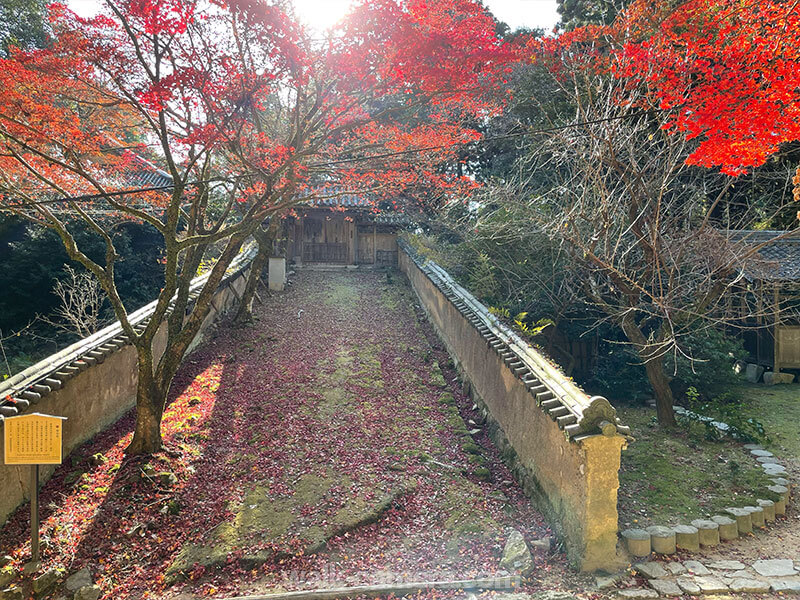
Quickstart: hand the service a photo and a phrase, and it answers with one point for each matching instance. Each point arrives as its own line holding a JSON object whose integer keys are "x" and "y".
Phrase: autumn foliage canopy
{"x": 727, "y": 72}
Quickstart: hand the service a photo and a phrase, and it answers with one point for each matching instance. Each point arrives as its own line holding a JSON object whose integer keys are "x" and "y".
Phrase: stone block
{"x": 707, "y": 531}
{"x": 516, "y": 555}
{"x": 753, "y": 372}
{"x": 78, "y": 580}
{"x": 277, "y": 274}
{"x": 756, "y": 516}
{"x": 768, "y": 506}
{"x": 637, "y": 541}
{"x": 89, "y": 592}
{"x": 45, "y": 583}
{"x": 662, "y": 539}
{"x": 743, "y": 520}
{"x": 687, "y": 538}
{"x": 772, "y": 378}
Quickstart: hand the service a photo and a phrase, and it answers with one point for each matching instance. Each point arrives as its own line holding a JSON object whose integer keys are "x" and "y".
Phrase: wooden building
{"x": 344, "y": 230}
{"x": 771, "y": 309}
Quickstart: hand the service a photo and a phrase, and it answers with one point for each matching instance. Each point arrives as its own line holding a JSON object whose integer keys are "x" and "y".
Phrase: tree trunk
{"x": 150, "y": 401}
{"x": 264, "y": 239}
{"x": 654, "y": 367}
{"x": 663, "y": 393}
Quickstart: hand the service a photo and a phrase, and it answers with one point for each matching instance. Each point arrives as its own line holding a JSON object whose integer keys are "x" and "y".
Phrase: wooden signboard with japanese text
{"x": 33, "y": 439}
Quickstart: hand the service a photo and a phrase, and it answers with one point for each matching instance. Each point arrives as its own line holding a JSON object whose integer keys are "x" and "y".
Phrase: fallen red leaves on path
{"x": 347, "y": 390}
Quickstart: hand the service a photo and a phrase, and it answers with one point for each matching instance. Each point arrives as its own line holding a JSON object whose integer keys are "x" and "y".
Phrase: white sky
{"x": 322, "y": 13}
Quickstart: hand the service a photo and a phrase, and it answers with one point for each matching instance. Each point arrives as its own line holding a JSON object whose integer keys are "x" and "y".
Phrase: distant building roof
{"x": 780, "y": 254}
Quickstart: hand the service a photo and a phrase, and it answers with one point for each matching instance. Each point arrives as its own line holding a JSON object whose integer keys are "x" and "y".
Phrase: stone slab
{"x": 651, "y": 570}
{"x": 688, "y": 585}
{"x": 637, "y": 594}
{"x": 696, "y": 568}
{"x": 711, "y": 585}
{"x": 675, "y": 568}
{"x": 753, "y": 586}
{"x": 726, "y": 565}
{"x": 666, "y": 588}
{"x": 753, "y": 372}
{"x": 785, "y": 585}
{"x": 774, "y": 568}
{"x": 768, "y": 460}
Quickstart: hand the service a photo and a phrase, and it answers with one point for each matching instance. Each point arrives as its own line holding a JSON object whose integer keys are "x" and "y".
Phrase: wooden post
{"x": 35, "y": 513}
{"x": 776, "y": 366}
{"x": 374, "y": 245}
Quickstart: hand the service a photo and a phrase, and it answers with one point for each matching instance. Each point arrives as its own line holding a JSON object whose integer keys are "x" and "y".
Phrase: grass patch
{"x": 778, "y": 409}
{"x": 669, "y": 477}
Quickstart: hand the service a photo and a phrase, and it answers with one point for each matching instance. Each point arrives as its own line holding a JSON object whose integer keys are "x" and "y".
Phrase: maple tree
{"x": 248, "y": 114}
{"x": 726, "y": 71}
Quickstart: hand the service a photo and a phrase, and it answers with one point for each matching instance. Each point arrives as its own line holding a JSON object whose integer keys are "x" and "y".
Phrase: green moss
{"x": 447, "y": 398}
{"x": 482, "y": 473}
{"x": 778, "y": 409}
{"x": 437, "y": 378}
{"x": 668, "y": 477}
{"x": 470, "y": 448}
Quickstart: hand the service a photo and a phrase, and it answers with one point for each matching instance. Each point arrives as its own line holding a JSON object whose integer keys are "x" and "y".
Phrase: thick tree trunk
{"x": 150, "y": 401}
{"x": 264, "y": 239}
{"x": 663, "y": 393}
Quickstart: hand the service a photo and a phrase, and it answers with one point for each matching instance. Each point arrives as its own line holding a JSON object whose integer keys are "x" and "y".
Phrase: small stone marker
{"x": 687, "y": 538}
{"x": 710, "y": 585}
{"x": 707, "y": 531}
{"x": 756, "y": 515}
{"x": 78, "y": 580}
{"x": 637, "y": 541}
{"x": 662, "y": 539}
{"x": 666, "y": 587}
{"x": 651, "y": 570}
{"x": 752, "y": 586}
{"x": 516, "y": 555}
{"x": 743, "y": 520}
{"x": 89, "y": 592}
{"x": 753, "y": 372}
{"x": 688, "y": 586}
{"x": 774, "y": 568}
{"x": 727, "y": 565}
{"x": 696, "y": 568}
{"x": 768, "y": 506}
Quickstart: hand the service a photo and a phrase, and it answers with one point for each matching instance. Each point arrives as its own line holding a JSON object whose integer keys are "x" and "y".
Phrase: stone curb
{"x": 709, "y": 532}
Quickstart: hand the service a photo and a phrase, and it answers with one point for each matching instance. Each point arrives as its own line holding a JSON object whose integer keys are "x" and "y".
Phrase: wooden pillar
{"x": 776, "y": 298}
{"x": 374, "y": 245}
{"x": 355, "y": 241}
